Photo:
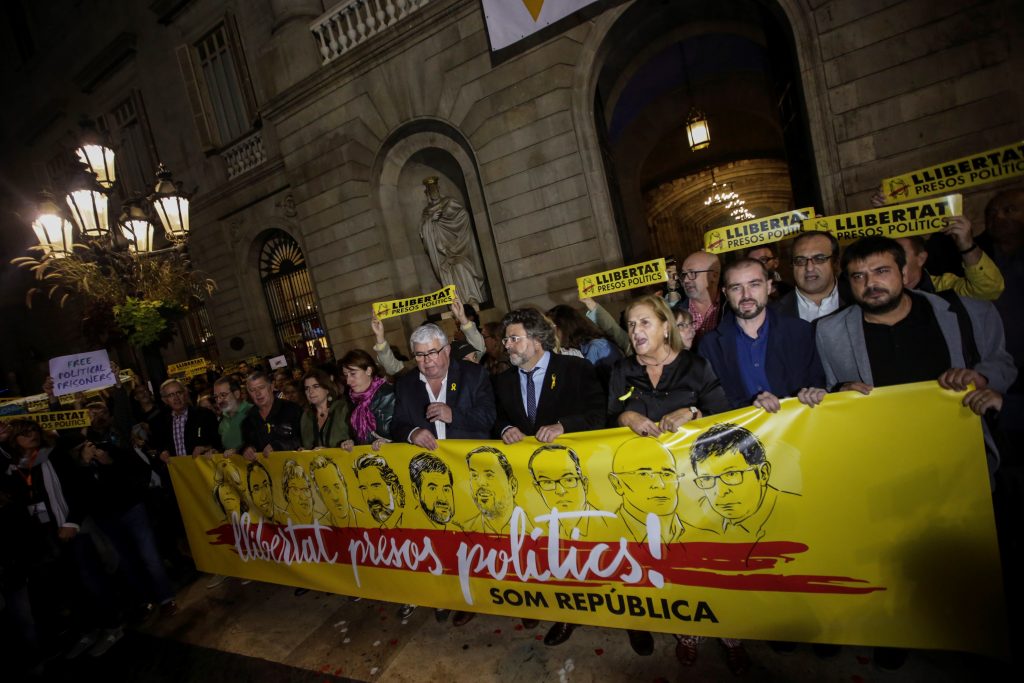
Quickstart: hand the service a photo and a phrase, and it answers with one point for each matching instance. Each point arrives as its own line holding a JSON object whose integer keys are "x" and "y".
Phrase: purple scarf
{"x": 362, "y": 417}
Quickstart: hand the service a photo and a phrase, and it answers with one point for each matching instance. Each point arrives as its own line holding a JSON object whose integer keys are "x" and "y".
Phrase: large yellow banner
{"x": 989, "y": 166}
{"x": 866, "y": 520}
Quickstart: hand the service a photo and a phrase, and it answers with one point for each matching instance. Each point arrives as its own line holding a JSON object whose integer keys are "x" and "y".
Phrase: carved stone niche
{"x": 403, "y": 199}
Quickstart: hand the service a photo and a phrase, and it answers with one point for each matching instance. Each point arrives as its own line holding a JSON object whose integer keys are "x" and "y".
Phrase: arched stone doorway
{"x": 735, "y": 61}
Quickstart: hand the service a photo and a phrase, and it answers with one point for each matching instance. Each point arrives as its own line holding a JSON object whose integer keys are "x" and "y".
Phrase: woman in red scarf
{"x": 373, "y": 400}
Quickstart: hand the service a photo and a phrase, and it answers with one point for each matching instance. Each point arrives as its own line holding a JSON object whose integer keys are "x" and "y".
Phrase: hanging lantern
{"x": 171, "y": 206}
{"x": 54, "y": 231}
{"x": 136, "y": 227}
{"x": 96, "y": 155}
{"x": 698, "y": 133}
{"x": 88, "y": 204}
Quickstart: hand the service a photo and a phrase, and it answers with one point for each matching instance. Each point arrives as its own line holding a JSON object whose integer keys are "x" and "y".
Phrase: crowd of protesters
{"x": 81, "y": 509}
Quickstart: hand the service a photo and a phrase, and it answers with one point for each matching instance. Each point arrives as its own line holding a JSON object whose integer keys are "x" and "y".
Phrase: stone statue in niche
{"x": 447, "y": 235}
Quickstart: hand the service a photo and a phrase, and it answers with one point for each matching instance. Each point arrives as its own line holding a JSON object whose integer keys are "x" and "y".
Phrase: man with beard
{"x": 544, "y": 394}
{"x": 383, "y": 493}
{"x": 494, "y": 489}
{"x": 432, "y": 486}
{"x": 261, "y": 493}
{"x": 228, "y": 395}
{"x": 892, "y": 335}
{"x": 330, "y": 486}
{"x": 759, "y": 355}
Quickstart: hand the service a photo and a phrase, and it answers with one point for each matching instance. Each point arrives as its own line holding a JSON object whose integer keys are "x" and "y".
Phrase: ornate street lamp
{"x": 171, "y": 205}
{"x": 56, "y": 234}
{"x": 88, "y": 204}
{"x": 136, "y": 226}
{"x": 96, "y": 155}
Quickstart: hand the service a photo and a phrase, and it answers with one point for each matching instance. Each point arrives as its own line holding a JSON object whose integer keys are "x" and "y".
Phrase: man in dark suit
{"x": 819, "y": 291}
{"x": 183, "y": 429}
{"x": 446, "y": 399}
{"x": 759, "y": 355}
{"x": 543, "y": 395}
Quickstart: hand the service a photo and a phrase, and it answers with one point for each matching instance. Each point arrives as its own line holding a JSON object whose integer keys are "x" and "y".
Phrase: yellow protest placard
{"x": 989, "y": 166}
{"x": 188, "y": 368}
{"x": 738, "y": 525}
{"x": 621, "y": 279}
{"x": 64, "y": 419}
{"x": 750, "y": 234}
{"x": 397, "y": 307}
{"x": 904, "y": 220}
{"x": 37, "y": 404}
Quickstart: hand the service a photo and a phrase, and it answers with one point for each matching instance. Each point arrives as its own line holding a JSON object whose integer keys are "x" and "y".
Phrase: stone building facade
{"x": 328, "y": 143}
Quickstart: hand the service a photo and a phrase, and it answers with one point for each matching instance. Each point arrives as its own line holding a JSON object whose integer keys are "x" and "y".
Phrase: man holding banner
{"x": 894, "y": 336}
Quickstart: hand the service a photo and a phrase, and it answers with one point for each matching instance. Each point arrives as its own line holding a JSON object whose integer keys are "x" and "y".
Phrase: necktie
{"x": 531, "y": 397}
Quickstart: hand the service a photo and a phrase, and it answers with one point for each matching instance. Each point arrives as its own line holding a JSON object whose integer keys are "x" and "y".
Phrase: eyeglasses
{"x": 569, "y": 481}
{"x": 818, "y": 259}
{"x": 512, "y": 339}
{"x": 423, "y": 355}
{"x": 223, "y": 395}
{"x": 692, "y": 274}
{"x": 764, "y": 259}
{"x": 650, "y": 476}
{"x": 172, "y": 393}
{"x": 733, "y": 478}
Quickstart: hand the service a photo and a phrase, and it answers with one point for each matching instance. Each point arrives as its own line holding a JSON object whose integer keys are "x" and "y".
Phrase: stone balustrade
{"x": 244, "y": 155}
{"x": 352, "y": 22}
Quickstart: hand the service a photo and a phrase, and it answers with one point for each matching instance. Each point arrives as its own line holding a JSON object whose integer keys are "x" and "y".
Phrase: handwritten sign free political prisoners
{"x": 621, "y": 279}
{"x": 989, "y": 166}
{"x": 81, "y": 371}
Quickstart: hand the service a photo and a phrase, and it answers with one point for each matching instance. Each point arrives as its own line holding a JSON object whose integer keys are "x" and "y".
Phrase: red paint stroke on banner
{"x": 732, "y": 566}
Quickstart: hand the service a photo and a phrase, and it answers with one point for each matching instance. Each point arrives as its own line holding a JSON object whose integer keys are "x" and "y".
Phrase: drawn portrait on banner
{"x": 559, "y": 480}
{"x": 494, "y": 488}
{"x": 432, "y": 485}
{"x": 730, "y": 465}
{"x": 644, "y": 475}
{"x": 382, "y": 492}
{"x": 298, "y": 495}
{"x": 330, "y": 486}
{"x": 261, "y": 493}
{"x": 227, "y": 489}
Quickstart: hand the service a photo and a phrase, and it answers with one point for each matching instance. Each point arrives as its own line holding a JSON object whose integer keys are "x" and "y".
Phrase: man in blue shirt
{"x": 759, "y": 355}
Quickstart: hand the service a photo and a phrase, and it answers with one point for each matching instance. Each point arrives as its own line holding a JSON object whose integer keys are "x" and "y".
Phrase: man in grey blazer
{"x": 892, "y": 335}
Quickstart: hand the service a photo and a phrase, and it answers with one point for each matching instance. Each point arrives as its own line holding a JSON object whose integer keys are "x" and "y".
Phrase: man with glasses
{"x": 228, "y": 395}
{"x": 544, "y": 394}
{"x": 558, "y": 478}
{"x": 446, "y": 399}
{"x": 759, "y": 355}
{"x": 699, "y": 276}
{"x": 644, "y": 475}
{"x": 767, "y": 257}
{"x": 731, "y": 467}
{"x": 815, "y": 271}
{"x": 184, "y": 429}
